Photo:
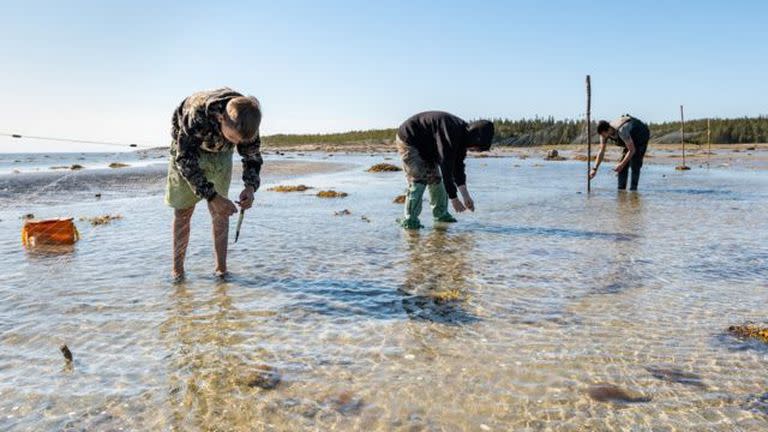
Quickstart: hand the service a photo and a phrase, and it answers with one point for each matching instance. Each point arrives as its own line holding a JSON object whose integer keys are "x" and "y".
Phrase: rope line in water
{"x": 76, "y": 140}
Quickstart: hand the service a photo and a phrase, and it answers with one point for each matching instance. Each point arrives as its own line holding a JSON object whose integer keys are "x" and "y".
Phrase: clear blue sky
{"x": 100, "y": 70}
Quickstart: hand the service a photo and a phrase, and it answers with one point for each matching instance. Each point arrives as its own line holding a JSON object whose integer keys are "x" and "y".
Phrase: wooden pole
{"x": 589, "y": 133}
{"x": 709, "y": 142}
{"x": 682, "y": 133}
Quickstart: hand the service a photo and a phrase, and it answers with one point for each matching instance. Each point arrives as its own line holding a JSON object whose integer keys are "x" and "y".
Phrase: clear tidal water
{"x": 500, "y": 322}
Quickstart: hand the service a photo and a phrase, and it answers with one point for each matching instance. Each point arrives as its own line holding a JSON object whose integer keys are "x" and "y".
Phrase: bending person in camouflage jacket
{"x": 206, "y": 128}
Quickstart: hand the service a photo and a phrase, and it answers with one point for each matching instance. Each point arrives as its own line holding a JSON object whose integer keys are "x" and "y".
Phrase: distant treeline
{"x": 543, "y": 131}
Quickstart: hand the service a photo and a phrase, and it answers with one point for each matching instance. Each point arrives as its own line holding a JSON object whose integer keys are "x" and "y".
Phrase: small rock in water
{"x": 264, "y": 377}
{"x": 612, "y": 393}
{"x": 76, "y": 167}
{"x": 66, "y": 353}
{"x": 118, "y": 165}
{"x": 554, "y": 155}
{"x": 346, "y": 403}
{"x": 676, "y": 376}
{"x": 98, "y": 195}
{"x": 758, "y": 404}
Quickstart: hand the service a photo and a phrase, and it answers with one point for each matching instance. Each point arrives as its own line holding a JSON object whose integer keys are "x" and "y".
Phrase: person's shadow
{"x": 436, "y": 286}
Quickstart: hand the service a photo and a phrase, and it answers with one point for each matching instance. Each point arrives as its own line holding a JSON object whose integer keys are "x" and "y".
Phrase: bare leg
{"x": 220, "y": 240}
{"x": 181, "y": 221}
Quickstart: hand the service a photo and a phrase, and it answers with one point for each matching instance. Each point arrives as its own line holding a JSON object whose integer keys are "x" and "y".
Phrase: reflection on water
{"x": 436, "y": 284}
{"x": 503, "y": 321}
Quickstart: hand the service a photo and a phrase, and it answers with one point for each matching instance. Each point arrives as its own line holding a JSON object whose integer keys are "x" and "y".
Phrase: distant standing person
{"x": 206, "y": 127}
{"x": 433, "y": 146}
{"x": 631, "y": 134}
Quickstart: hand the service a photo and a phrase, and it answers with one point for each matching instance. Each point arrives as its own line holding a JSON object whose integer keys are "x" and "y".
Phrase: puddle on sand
{"x": 499, "y": 322}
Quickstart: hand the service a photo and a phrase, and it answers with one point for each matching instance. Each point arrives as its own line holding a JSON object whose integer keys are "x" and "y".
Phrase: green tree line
{"x": 548, "y": 130}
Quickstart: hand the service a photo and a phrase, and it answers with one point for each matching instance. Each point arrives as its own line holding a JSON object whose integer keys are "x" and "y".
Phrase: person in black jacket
{"x": 433, "y": 146}
{"x": 632, "y": 135}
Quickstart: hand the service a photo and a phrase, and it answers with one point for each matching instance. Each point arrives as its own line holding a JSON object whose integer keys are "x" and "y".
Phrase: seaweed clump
{"x": 101, "y": 220}
{"x": 384, "y": 167}
{"x": 749, "y": 331}
{"x": 286, "y": 189}
{"x": 331, "y": 194}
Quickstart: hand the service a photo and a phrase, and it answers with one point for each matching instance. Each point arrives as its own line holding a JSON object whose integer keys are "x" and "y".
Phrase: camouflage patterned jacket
{"x": 195, "y": 129}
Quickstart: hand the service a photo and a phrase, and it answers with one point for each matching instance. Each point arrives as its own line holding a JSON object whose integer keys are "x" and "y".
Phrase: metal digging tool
{"x": 239, "y": 224}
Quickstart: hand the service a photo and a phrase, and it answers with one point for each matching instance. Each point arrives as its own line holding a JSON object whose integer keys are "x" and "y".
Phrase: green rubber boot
{"x": 412, "y": 206}
{"x": 438, "y": 199}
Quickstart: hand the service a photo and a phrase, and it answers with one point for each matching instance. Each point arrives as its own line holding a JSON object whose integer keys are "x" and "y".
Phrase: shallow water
{"x": 500, "y": 322}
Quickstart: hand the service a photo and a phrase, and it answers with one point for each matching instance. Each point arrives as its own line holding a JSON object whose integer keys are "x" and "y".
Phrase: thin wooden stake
{"x": 682, "y": 167}
{"x": 589, "y": 133}
{"x": 709, "y": 142}
{"x": 682, "y": 131}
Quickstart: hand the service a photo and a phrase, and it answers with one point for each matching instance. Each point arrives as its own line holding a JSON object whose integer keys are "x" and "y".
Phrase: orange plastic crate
{"x": 60, "y": 231}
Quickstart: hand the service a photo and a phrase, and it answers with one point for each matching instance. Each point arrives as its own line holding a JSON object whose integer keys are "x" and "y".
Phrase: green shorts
{"x": 217, "y": 168}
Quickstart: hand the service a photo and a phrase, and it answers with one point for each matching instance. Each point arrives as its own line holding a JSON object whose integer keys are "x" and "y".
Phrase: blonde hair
{"x": 245, "y": 115}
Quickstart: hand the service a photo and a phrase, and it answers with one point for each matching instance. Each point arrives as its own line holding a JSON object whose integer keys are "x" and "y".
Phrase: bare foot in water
{"x": 221, "y": 274}
{"x": 177, "y": 276}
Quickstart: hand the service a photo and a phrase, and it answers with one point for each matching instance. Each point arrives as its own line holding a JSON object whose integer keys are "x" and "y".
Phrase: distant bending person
{"x": 631, "y": 134}
{"x": 206, "y": 127}
{"x": 433, "y": 146}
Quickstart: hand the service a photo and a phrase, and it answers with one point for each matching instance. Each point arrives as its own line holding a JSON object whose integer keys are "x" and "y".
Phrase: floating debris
{"x": 76, "y": 167}
{"x": 682, "y": 168}
{"x": 101, "y": 220}
{"x": 365, "y": 219}
{"x": 66, "y": 353}
{"x": 384, "y": 167}
{"x": 400, "y": 199}
{"x": 612, "y": 393}
{"x": 344, "y": 212}
{"x": 118, "y": 165}
{"x": 331, "y": 194}
{"x": 28, "y": 216}
{"x": 749, "y": 331}
{"x": 98, "y": 195}
{"x": 676, "y": 375}
{"x": 554, "y": 155}
{"x": 285, "y": 189}
{"x": 264, "y": 377}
